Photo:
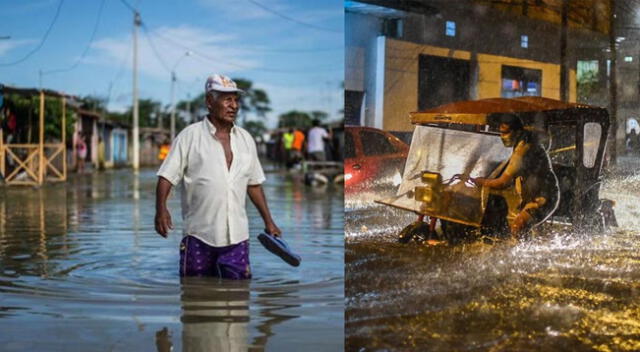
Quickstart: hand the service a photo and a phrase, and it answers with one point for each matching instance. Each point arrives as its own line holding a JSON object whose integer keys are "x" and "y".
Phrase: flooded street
{"x": 81, "y": 268}
{"x": 560, "y": 291}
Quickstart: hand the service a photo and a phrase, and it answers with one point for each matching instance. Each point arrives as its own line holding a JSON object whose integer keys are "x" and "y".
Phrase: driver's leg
{"x": 523, "y": 222}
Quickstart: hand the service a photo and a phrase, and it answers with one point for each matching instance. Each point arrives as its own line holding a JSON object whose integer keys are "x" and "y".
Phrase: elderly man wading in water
{"x": 217, "y": 164}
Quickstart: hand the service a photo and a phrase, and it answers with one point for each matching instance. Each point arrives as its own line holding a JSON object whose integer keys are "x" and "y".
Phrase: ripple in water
{"x": 81, "y": 268}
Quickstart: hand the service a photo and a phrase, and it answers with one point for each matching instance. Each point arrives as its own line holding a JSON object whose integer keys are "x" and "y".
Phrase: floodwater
{"x": 81, "y": 268}
{"x": 561, "y": 291}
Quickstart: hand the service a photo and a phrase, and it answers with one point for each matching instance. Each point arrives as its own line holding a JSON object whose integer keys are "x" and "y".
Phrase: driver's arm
{"x": 514, "y": 168}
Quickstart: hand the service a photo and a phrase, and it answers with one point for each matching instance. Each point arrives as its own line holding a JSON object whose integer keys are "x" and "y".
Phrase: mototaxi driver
{"x": 530, "y": 167}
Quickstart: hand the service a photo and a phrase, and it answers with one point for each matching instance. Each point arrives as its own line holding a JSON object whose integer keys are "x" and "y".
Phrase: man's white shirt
{"x": 213, "y": 197}
{"x": 315, "y": 142}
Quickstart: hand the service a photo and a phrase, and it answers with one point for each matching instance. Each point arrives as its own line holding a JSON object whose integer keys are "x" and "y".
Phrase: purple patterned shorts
{"x": 200, "y": 259}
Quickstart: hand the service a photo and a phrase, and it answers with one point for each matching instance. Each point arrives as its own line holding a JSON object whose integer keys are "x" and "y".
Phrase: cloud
{"x": 209, "y": 52}
{"x": 245, "y": 10}
{"x": 7, "y": 45}
{"x": 24, "y": 7}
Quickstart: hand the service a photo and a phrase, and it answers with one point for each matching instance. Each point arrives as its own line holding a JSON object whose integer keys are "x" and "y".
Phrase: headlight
{"x": 431, "y": 178}
{"x": 431, "y": 192}
{"x": 424, "y": 194}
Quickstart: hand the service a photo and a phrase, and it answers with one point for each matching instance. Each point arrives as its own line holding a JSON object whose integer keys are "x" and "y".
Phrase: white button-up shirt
{"x": 213, "y": 197}
{"x": 315, "y": 142}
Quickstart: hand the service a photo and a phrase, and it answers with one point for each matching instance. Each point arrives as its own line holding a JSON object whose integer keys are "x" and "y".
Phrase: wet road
{"x": 82, "y": 269}
{"x": 570, "y": 292}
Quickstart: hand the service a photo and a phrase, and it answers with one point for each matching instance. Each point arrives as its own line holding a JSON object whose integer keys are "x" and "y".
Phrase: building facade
{"x": 404, "y": 56}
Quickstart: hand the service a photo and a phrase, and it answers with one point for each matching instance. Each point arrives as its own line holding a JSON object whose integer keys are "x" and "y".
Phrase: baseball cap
{"x": 221, "y": 83}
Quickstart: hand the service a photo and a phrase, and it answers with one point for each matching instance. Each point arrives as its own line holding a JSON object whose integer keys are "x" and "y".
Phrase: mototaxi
{"x": 456, "y": 142}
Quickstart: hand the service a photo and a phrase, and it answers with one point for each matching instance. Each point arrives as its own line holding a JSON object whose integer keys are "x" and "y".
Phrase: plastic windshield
{"x": 450, "y": 152}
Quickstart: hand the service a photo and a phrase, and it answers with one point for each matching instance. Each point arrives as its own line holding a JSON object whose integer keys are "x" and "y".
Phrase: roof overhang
{"x": 485, "y": 111}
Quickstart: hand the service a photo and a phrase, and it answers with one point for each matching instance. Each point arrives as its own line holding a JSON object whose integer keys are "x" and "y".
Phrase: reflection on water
{"x": 81, "y": 268}
{"x": 215, "y": 314}
{"x": 559, "y": 291}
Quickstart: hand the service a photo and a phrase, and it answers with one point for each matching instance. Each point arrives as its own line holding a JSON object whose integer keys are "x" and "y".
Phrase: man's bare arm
{"x": 163, "y": 217}
{"x": 256, "y": 194}
{"x": 495, "y": 183}
{"x": 513, "y": 168}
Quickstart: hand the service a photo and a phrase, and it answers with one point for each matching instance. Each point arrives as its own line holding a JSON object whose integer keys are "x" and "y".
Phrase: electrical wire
{"x": 310, "y": 25}
{"x": 44, "y": 39}
{"x": 153, "y": 48}
{"x": 86, "y": 49}
{"x": 117, "y": 77}
{"x": 218, "y": 61}
{"x": 125, "y": 3}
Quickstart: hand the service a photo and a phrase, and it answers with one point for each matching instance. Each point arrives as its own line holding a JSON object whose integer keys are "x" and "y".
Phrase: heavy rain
{"x": 433, "y": 74}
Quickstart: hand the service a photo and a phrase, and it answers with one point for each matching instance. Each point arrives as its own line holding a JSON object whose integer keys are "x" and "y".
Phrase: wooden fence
{"x": 34, "y": 163}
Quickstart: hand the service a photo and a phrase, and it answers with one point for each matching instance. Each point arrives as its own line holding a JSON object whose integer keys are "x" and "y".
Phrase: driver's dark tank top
{"x": 537, "y": 176}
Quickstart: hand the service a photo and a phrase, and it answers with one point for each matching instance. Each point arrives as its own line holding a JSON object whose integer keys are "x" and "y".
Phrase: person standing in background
{"x": 315, "y": 142}
{"x": 287, "y": 142}
{"x": 81, "y": 150}
{"x": 296, "y": 147}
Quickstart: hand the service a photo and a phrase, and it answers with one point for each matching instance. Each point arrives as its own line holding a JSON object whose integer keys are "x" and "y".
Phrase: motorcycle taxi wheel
{"x": 418, "y": 231}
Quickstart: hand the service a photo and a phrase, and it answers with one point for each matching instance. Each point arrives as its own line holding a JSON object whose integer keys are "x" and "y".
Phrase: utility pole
{"x": 189, "y": 107}
{"x": 173, "y": 105}
{"x": 613, "y": 91}
{"x": 564, "y": 69}
{"x": 136, "y": 131}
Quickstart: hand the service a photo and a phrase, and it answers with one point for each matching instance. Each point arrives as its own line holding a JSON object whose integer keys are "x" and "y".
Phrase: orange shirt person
{"x": 164, "y": 151}
{"x": 298, "y": 140}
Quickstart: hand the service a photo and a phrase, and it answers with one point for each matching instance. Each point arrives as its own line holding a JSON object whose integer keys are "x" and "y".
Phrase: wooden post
{"x": 1, "y": 153}
{"x": 613, "y": 88}
{"x": 41, "y": 141}
{"x": 64, "y": 136}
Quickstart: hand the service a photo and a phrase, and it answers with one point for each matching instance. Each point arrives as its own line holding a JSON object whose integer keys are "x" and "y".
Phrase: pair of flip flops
{"x": 280, "y": 248}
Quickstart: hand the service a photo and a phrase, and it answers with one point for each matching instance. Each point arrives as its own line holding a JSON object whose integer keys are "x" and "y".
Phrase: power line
{"x": 86, "y": 49}
{"x": 44, "y": 39}
{"x": 218, "y": 61}
{"x": 289, "y": 51}
{"x": 153, "y": 48}
{"x": 118, "y": 75}
{"x": 125, "y": 3}
{"x": 310, "y": 25}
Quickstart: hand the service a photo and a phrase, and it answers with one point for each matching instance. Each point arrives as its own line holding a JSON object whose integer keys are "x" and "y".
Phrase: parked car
{"x": 373, "y": 159}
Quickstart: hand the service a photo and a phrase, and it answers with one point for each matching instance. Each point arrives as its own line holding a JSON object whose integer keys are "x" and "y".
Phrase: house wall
{"x": 119, "y": 147}
{"x": 387, "y": 68}
{"x": 361, "y": 59}
{"x": 401, "y": 78}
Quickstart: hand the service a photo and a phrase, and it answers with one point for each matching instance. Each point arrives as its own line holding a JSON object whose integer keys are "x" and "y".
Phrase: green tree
{"x": 319, "y": 115}
{"x": 191, "y": 107}
{"x": 254, "y": 100}
{"x": 294, "y": 118}
{"x": 256, "y": 128}
{"x": 27, "y": 111}
{"x": 148, "y": 111}
{"x": 94, "y": 103}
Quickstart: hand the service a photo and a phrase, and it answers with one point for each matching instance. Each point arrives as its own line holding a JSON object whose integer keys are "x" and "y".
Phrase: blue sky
{"x": 292, "y": 49}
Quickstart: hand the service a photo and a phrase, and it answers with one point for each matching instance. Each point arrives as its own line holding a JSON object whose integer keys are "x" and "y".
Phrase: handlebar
{"x": 469, "y": 181}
